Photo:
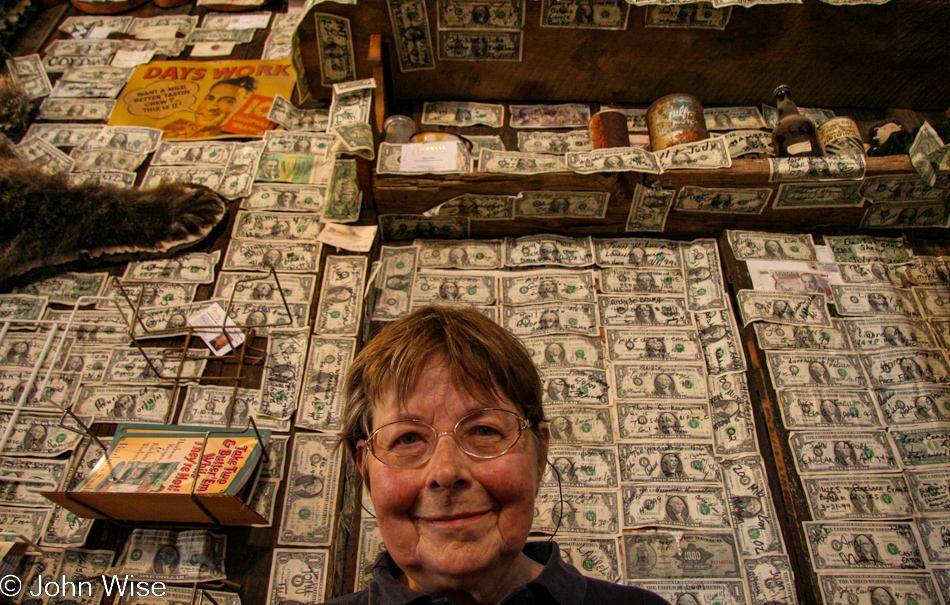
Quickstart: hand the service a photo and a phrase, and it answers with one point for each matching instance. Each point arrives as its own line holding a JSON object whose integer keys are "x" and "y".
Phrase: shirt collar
{"x": 561, "y": 581}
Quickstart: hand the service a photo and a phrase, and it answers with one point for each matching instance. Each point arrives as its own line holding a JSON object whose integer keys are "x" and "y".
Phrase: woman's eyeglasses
{"x": 485, "y": 433}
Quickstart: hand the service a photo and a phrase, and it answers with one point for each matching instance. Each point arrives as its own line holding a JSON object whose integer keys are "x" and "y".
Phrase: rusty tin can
{"x": 840, "y": 136}
{"x": 674, "y": 120}
{"x": 608, "y": 129}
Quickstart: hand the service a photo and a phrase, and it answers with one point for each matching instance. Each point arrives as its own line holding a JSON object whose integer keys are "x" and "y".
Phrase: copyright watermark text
{"x": 123, "y": 586}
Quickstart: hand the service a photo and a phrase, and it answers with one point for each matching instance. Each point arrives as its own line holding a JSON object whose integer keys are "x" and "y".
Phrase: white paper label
{"x": 254, "y": 21}
{"x": 157, "y": 32}
{"x": 217, "y": 341}
{"x": 429, "y": 157}
{"x": 803, "y": 147}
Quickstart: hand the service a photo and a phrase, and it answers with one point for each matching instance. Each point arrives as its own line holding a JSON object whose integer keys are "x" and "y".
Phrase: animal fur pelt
{"x": 45, "y": 222}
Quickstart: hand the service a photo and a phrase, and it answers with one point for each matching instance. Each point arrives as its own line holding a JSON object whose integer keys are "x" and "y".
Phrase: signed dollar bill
{"x": 283, "y": 372}
{"x": 770, "y": 580}
{"x": 722, "y": 201}
{"x": 822, "y": 452}
{"x": 580, "y": 386}
{"x": 598, "y": 557}
{"x": 602, "y": 14}
{"x": 569, "y": 115}
{"x": 341, "y": 296}
{"x": 815, "y": 369}
{"x": 827, "y": 409}
{"x": 452, "y": 287}
{"x": 290, "y": 257}
{"x": 551, "y": 318}
{"x": 929, "y": 489}
{"x": 914, "y": 404}
{"x": 927, "y": 271}
{"x": 637, "y": 252}
{"x": 864, "y": 248}
{"x": 733, "y": 424}
{"x": 751, "y": 508}
{"x": 482, "y": 207}
{"x": 818, "y": 195}
{"x": 790, "y": 308}
{"x": 565, "y": 351}
{"x": 207, "y": 405}
{"x": 832, "y": 168}
{"x": 515, "y": 162}
{"x": 668, "y": 462}
{"x": 858, "y": 497}
{"x": 310, "y": 502}
{"x": 22, "y": 479}
{"x": 283, "y": 197}
{"x": 111, "y": 404}
{"x": 868, "y": 589}
{"x": 150, "y": 366}
{"x": 708, "y": 154}
{"x": 749, "y": 245}
{"x": 62, "y": 135}
{"x": 874, "y": 300}
{"x": 616, "y": 159}
{"x": 900, "y": 188}
{"x": 547, "y": 285}
{"x": 369, "y": 548}
{"x": 843, "y": 546}
{"x": 897, "y": 368}
{"x": 322, "y": 399}
{"x": 689, "y": 506}
{"x": 580, "y": 204}
{"x": 28, "y": 71}
{"x": 67, "y": 288}
{"x": 721, "y": 341}
{"x": 683, "y": 555}
{"x": 575, "y": 425}
{"x": 448, "y": 113}
{"x": 548, "y": 250}
{"x": 394, "y": 282}
{"x": 625, "y": 280}
{"x": 582, "y": 467}
{"x": 913, "y": 215}
{"x": 649, "y": 209}
{"x": 772, "y": 336}
{"x": 580, "y": 512}
{"x": 404, "y": 227}
{"x": 50, "y": 389}
{"x": 706, "y": 289}
{"x": 664, "y": 421}
{"x": 195, "y": 267}
{"x": 706, "y": 592}
{"x": 557, "y": 143}
{"x": 646, "y": 311}
{"x": 479, "y": 45}
{"x": 461, "y": 254}
{"x": 298, "y": 575}
{"x": 933, "y": 301}
{"x": 922, "y": 447}
{"x": 182, "y": 153}
{"x": 680, "y": 345}
{"x": 280, "y": 226}
{"x": 45, "y": 156}
{"x": 250, "y": 286}
{"x": 186, "y": 556}
{"x": 105, "y": 327}
{"x": 731, "y": 118}
{"x": 659, "y": 381}
{"x": 744, "y": 142}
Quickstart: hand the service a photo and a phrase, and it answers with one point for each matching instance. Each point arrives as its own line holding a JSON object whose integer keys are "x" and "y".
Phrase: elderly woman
{"x": 444, "y": 418}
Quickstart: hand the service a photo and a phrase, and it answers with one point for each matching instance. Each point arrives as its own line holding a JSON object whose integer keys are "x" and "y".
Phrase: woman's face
{"x": 456, "y": 517}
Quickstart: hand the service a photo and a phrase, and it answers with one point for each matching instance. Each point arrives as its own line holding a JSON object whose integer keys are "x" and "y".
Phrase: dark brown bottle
{"x": 794, "y": 135}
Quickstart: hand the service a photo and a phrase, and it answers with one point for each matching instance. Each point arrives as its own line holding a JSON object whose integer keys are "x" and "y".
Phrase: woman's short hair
{"x": 486, "y": 360}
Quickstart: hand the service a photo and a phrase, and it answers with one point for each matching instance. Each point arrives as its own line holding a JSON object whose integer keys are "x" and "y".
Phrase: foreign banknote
{"x": 568, "y": 115}
{"x": 680, "y": 555}
{"x": 557, "y": 143}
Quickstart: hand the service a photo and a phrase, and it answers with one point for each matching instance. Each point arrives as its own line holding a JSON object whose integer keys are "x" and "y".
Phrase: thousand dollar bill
{"x": 827, "y": 409}
{"x": 844, "y": 546}
{"x": 790, "y": 308}
{"x": 341, "y": 296}
{"x": 309, "y": 517}
{"x": 298, "y": 576}
{"x": 858, "y": 497}
{"x": 681, "y": 555}
{"x": 448, "y": 113}
{"x": 617, "y": 159}
{"x": 579, "y": 512}
{"x": 186, "y": 556}
{"x": 821, "y": 452}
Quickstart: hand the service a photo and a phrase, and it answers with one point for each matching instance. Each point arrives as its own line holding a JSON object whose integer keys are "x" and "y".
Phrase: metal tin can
{"x": 397, "y": 129}
{"x": 840, "y": 136}
{"x": 608, "y": 129}
{"x": 674, "y": 120}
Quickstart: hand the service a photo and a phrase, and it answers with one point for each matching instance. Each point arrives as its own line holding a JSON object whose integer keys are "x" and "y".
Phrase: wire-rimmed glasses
{"x": 485, "y": 433}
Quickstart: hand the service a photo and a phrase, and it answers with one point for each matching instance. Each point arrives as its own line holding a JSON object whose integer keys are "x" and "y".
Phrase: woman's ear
{"x": 360, "y": 454}
{"x": 544, "y": 440}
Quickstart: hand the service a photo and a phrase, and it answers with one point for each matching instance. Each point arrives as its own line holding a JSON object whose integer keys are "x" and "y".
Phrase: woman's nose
{"x": 448, "y": 466}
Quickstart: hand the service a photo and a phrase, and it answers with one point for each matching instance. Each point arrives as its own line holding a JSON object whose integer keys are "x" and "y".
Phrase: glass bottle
{"x": 794, "y": 134}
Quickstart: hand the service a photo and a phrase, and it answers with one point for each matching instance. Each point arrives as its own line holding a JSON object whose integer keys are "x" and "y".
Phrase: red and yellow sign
{"x": 193, "y": 100}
